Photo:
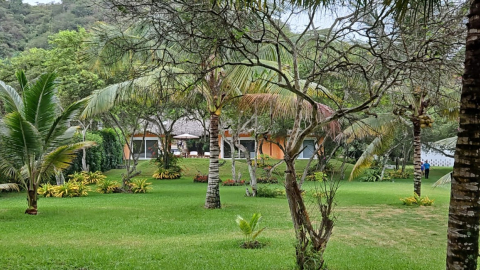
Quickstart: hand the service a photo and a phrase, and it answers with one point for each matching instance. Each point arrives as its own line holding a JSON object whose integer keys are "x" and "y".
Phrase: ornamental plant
{"x": 108, "y": 186}
{"x": 250, "y": 230}
{"x": 139, "y": 185}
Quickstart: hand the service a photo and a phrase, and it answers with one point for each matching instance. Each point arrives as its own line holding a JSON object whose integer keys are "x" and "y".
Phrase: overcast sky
{"x": 34, "y": 2}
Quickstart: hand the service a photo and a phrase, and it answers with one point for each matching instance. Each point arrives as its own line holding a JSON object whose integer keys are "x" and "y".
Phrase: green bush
{"x": 398, "y": 175}
{"x": 371, "y": 175}
{"x": 267, "y": 192}
{"x": 108, "y": 153}
{"x": 267, "y": 180}
{"x": 108, "y": 186}
{"x": 139, "y": 185}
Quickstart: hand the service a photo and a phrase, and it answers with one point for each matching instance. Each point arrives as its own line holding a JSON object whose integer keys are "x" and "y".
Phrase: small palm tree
{"x": 248, "y": 229}
{"x": 35, "y": 136}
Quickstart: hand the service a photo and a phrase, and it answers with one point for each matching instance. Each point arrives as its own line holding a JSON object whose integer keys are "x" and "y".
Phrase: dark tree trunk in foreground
{"x": 464, "y": 213}
{"x": 212, "y": 200}
{"x": 32, "y": 200}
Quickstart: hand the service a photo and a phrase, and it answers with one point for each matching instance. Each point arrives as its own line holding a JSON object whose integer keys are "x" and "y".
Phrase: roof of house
{"x": 181, "y": 126}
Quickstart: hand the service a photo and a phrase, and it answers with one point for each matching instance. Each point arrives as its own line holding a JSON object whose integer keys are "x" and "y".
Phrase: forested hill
{"x": 23, "y": 26}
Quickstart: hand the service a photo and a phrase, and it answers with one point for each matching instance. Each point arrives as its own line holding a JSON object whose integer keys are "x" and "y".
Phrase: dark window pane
{"x": 152, "y": 149}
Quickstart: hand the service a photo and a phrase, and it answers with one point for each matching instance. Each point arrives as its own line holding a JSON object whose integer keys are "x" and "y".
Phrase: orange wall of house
{"x": 268, "y": 148}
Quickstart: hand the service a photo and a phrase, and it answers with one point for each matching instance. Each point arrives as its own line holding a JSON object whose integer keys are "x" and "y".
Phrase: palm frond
{"x": 12, "y": 101}
{"x": 61, "y": 158}
{"x": 244, "y": 226}
{"x": 9, "y": 186}
{"x": 447, "y": 142}
{"x": 22, "y": 80}
{"x": 377, "y": 146}
{"x": 21, "y": 137}
{"x": 447, "y": 178}
{"x": 371, "y": 126}
{"x": 40, "y": 103}
{"x": 59, "y": 126}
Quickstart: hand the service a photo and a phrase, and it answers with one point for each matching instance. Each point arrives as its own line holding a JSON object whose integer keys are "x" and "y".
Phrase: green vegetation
{"x": 168, "y": 228}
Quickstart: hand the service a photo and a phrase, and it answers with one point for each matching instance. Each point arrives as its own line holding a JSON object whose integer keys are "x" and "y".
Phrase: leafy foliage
{"x": 108, "y": 186}
{"x": 231, "y": 182}
{"x": 371, "y": 175}
{"x": 417, "y": 200}
{"x": 69, "y": 189}
{"x": 267, "y": 192}
{"x": 250, "y": 230}
{"x": 200, "y": 178}
{"x": 267, "y": 180}
{"x": 139, "y": 185}
{"x": 398, "y": 174}
{"x": 173, "y": 173}
{"x": 87, "y": 177}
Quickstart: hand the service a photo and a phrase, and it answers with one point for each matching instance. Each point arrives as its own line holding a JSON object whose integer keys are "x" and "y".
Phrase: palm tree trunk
{"x": 417, "y": 158}
{"x": 32, "y": 200}
{"x": 212, "y": 200}
{"x": 464, "y": 213}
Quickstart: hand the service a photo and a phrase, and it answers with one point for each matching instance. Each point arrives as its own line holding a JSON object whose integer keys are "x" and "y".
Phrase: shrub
{"x": 47, "y": 190}
{"x": 249, "y": 230}
{"x": 108, "y": 186}
{"x": 200, "y": 178}
{"x": 94, "y": 177}
{"x": 140, "y": 186}
{"x": 267, "y": 192}
{"x": 231, "y": 182}
{"x": 70, "y": 189}
{"x": 173, "y": 173}
{"x": 371, "y": 175}
{"x": 267, "y": 180}
{"x": 398, "y": 174}
{"x": 87, "y": 177}
{"x": 417, "y": 200}
{"x": 77, "y": 177}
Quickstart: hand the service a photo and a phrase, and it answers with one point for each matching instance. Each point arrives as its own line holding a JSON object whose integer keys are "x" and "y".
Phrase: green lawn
{"x": 168, "y": 228}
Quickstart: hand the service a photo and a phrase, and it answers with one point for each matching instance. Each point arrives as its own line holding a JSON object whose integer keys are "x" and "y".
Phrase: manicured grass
{"x": 168, "y": 228}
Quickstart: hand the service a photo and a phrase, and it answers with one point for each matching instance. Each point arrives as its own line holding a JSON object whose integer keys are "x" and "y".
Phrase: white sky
{"x": 34, "y": 2}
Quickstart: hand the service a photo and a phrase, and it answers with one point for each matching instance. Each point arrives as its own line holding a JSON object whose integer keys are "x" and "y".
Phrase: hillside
{"x": 24, "y": 26}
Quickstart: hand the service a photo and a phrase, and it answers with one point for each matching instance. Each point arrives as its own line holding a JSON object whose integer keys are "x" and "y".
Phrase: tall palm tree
{"x": 35, "y": 134}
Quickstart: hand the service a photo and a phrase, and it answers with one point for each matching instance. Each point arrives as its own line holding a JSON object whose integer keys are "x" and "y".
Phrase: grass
{"x": 168, "y": 228}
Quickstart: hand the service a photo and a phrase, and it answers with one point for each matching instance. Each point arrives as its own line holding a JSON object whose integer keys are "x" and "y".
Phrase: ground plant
{"x": 139, "y": 185}
{"x": 250, "y": 230}
{"x": 108, "y": 186}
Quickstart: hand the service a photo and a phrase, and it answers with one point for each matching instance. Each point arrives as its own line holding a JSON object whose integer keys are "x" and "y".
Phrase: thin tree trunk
{"x": 464, "y": 213}
{"x": 32, "y": 200}
{"x": 417, "y": 159}
{"x": 212, "y": 199}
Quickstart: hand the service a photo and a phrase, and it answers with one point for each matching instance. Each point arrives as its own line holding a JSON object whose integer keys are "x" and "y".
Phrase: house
{"x": 149, "y": 148}
{"x": 271, "y": 149}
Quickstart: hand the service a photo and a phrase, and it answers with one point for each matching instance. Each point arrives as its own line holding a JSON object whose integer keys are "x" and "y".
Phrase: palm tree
{"x": 35, "y": 135}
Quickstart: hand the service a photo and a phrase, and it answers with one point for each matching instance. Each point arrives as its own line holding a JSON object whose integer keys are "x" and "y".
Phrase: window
{"x": 145, "y": 149}
{"x": 247, "y": 143}
{"x": 308, "y": 149}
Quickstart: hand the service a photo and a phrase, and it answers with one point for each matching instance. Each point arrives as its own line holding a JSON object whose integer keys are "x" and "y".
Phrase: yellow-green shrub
{"x": 167, "y": 174}
{"x": 417, "y": 200}
{"x": 140, "y": 186}
{"x": 69, "y": 189}
{"x": 47, "y": 190}
{"x": 108, "y": 186}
